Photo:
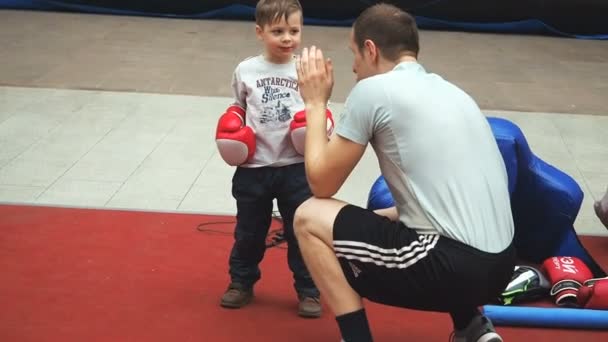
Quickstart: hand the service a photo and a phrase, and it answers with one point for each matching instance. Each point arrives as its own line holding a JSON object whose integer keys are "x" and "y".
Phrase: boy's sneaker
{"x": 236, "y": 296}
{"x": 309, "y": 307}
{"x": 479, "y": 330}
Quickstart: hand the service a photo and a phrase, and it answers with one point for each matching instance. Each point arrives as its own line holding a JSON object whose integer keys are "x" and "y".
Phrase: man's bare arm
{"x": 328, "y": 163}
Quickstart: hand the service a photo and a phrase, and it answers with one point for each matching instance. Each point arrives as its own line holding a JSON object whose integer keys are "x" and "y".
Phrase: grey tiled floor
{"x": 141, "y": 137}
{"x": 156, "y": 152}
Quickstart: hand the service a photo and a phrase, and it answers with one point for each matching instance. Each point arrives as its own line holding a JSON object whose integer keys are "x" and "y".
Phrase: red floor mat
{"x": 104, "y": 275}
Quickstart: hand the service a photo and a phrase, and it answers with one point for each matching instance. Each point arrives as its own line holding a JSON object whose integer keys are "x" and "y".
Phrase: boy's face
{"x": 281, "y": 38}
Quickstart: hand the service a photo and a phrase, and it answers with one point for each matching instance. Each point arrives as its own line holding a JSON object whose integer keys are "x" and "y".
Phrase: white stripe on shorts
{"x": 403, "y": 257}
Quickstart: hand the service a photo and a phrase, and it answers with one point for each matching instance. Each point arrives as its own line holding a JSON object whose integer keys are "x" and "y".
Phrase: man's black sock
{"x": 354, "y": 327}
{"x": 463, "y": 318}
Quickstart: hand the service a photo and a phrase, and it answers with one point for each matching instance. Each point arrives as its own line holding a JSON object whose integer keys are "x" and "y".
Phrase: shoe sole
{"x": 230, "y": 305}
{"x": 490, "y": 337}
{"x": 308, "y": 314}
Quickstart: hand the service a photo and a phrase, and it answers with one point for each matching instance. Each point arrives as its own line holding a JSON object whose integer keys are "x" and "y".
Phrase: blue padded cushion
{"x": 544, "y": 200}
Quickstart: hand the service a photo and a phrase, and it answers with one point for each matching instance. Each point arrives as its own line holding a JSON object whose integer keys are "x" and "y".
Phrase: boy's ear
{"x": 258, "y": 32}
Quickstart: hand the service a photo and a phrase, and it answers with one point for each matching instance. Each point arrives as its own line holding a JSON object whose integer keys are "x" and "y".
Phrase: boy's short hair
{"x": 393, "y": 30}
{"x": 269, "y": 11}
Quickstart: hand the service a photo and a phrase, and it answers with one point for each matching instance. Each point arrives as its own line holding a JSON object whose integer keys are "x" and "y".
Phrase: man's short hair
{"x": 269, "y": 11}
{"x": 393, "y": 30}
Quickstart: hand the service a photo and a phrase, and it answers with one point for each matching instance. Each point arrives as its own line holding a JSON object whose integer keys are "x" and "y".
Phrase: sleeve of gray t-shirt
{"x": 362, "y": 112}
{"x": 239, "y": 91}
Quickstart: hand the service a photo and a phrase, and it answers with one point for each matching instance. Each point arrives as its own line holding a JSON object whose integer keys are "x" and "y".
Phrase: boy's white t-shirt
{"x": 437, "y": 153}
{"x": 269, "y": 93}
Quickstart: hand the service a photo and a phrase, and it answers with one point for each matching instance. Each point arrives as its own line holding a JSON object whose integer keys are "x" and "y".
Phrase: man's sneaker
{"x": 309, "y": 307}
{"x": 236, "y": 296}
{"x": 479, "y": 330}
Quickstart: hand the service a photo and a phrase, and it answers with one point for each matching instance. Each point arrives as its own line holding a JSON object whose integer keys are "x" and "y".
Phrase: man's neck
{"x": 406, "y": 58}
{"x": 386, "y": 65}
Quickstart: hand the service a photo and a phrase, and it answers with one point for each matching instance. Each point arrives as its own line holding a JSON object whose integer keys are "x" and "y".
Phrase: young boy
{"x": 262, "y": 133}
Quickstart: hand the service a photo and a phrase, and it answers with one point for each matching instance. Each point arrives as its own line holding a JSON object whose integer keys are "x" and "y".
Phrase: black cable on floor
{"x": 275, "y": 237}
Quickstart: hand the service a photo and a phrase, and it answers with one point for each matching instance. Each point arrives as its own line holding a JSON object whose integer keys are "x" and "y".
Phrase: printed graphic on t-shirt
{"x": 276, "y": 99}
{"x": 277, "y": 113}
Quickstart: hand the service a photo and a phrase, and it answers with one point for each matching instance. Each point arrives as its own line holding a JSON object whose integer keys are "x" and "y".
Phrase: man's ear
{"x": 371, "y": 50}
{"x": 258, "y": 32}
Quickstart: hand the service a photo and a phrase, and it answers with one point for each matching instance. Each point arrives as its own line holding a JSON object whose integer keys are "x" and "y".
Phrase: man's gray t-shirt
{"x": 437, "y": 152}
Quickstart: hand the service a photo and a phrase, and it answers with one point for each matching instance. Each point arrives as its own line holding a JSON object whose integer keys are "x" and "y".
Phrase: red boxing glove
{"x": 566, "y": 275}
{"x": 235, "y": 141}
{"x": 594, "y": 294}
{"x": 298, "y": 129}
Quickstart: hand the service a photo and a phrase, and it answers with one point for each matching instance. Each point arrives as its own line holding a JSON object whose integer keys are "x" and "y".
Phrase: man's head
{"x": 279, "y": 27}
{"x": 381, "y": 36}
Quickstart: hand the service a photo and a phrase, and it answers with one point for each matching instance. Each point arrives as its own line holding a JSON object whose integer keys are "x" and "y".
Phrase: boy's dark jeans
{"x": 254, "y": 190}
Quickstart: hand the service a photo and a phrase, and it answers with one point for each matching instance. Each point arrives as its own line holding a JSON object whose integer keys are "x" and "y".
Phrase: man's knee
{"x": 302, "y": 217}
{"x": 316, "y": 217}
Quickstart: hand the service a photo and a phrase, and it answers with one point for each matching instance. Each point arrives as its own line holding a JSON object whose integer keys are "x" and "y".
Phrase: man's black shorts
{"x": 388, "y": 263}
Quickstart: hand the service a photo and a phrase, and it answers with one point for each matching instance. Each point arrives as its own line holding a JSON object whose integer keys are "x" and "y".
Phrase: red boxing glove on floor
{"x": 594, "y": 294}
{"x": 566, "y": 275}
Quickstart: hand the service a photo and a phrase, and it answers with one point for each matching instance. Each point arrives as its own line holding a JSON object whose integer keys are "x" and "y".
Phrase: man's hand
{"x": 328, "y": 163}
{"x": 315, "y": 77}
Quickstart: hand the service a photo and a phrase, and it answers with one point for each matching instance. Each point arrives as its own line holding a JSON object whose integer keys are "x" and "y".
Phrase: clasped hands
{"x": 315, "y": 79}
